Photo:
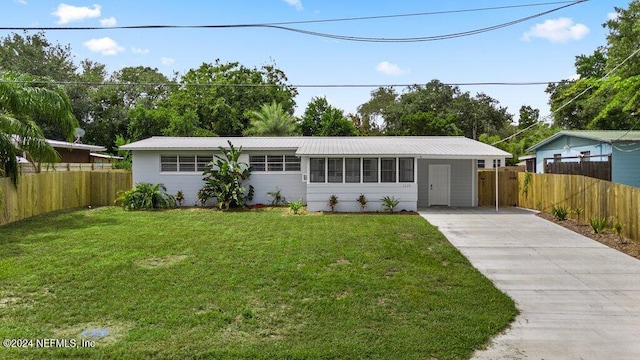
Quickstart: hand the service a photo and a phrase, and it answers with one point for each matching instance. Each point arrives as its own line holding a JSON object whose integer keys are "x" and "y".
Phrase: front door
{"x": 439, "y": 183}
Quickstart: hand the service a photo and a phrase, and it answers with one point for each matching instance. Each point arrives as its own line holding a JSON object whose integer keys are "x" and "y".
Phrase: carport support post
{"x": 496, "y": 164}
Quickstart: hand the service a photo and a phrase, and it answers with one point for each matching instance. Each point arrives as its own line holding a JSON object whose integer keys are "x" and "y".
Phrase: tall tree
{"x": 270, "y": 120}
{"x": 528, "y": 116}
{"x": 371, "y": 113}
{"x": 322, "y": 119}
{"x": 24, "y": 98}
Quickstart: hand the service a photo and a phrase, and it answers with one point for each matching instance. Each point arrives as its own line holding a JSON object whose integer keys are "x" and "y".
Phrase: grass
{"x": 242, "y": 285}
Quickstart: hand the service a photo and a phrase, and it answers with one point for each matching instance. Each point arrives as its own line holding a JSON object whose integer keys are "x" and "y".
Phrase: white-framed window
{"x": 352, "y": 170}
{"x": 184, "y": 163}
{"x": 497, "y": 163}
{"x": 274, "y": 163}
{"x": 334, "y": 170}
{"x": 405, "y": 170}
{"x": 388, "y": 170}
{"x": 316, "y": 170}
{"x": 258, "y": 162}
{"x": 291, "y": 163}
{"x": 370, "y": 170}
{"x": 481, "y": 164}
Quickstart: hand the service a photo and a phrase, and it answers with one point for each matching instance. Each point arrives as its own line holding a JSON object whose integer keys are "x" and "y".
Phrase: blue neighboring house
{"x": 620, "y": 147}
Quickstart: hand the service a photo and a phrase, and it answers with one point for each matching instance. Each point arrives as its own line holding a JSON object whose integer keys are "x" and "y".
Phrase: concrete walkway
{"x": 578, "y": 298}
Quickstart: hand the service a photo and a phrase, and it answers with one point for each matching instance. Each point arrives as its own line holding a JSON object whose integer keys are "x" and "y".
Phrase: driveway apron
{"x": 578, "y": 299}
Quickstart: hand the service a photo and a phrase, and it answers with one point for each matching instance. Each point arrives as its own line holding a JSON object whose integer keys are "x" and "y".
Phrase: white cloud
{"x": 108, "y": 22}
{"x": 166, "y": 61}
{"x": 612, "y": 16}
{"x": 23, "y": 2}
{"x": 69, "y": 13}
{"x": 388, "y": 68}
{"x": 136, "y": 50}
{"x": 558, "y": 30}
{"x": 295, "y": 3}
{"x": 104, "y": 46}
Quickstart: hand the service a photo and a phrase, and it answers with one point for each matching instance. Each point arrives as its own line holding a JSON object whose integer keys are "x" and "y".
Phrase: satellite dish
{"x": 78, "y": 132}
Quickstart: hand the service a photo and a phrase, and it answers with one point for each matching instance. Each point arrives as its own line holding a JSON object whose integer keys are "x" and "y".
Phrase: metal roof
{"x": 436, "y": 146}
{"x": 608, "y": 136}
{"x": 78, "y": 146}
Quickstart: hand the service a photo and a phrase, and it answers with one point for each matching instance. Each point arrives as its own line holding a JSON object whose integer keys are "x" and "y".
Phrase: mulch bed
{"x": 609, "y": 239}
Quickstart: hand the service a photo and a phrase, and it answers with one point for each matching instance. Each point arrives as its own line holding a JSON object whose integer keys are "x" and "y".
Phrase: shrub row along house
{"x": 419, "y": 171}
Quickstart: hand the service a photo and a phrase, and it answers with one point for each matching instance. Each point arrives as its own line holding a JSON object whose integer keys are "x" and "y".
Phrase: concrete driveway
{"x": 578, "y": 298}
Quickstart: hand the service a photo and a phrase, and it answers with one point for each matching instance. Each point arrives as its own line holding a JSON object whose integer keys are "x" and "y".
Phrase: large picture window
{"x": 316, "y": 167}
{"x": 334, "y": 170}
{"x": 352, "y": 170}
{"x": 370, "y": 170}
{"x": 388, "y": 170}
{"x": 405, "y": 169}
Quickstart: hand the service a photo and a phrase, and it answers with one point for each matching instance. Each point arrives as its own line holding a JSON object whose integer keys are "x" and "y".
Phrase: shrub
{"x": 146, "y": 196}
{"x": 560, "y": 212}
{"x": 390, "y": 203}
{"x": 296, "y": 206}
{"x": 576, "y": 211}
{"x": 278, "y": 199}
{"x": 225, "y": 178}
{"x": 333, "y": 201}
{"x": 362, "y": 200}
{"x": 179, "y": 197}
{"x": 617, "y": 228}
{"x": 599, "y": 225}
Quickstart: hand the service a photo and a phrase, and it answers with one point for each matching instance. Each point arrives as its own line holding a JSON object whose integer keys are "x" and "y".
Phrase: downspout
{"x": 496, "y": 163}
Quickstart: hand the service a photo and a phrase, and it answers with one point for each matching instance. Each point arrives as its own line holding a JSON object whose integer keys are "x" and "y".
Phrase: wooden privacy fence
{"x": 38, "y": 194}
{"x": 594, "y": 197}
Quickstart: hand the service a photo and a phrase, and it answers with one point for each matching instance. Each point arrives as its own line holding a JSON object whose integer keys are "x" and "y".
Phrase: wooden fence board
{"x": 38, "y": 194}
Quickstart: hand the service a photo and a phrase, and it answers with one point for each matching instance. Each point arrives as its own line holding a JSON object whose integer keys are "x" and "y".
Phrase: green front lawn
{"x": 242, "y": 285}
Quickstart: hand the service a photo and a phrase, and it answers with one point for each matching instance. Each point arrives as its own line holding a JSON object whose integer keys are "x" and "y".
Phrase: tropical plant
{"x": 333, "y": 201}
{"x": 278, "y": 199}
{"x": 146, "y": 196}
{"x": 599, "y": 225}
{"x": 617, "y": 228}
{"x": 527, "y": 181}
{"x": 225, "y": 180}
{"x": 296, "y": 206}
{"x": 179, "y": 197}
{"x": 560, "y": 212}
{"x": 271, "y": 120}
{"x": 576, "y": 211}
{"x": 362, "y": 200}
{"x": 24, "y": 98}
{"x": 390, "y": 203}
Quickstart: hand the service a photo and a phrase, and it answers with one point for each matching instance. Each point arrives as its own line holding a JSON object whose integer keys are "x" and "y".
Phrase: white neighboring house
{"x": 491, "y": 163}
{"x": 420, "y": 171}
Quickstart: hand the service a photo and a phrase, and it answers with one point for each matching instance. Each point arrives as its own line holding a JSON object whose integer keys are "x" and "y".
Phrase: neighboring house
{"x": 490, "y": 163}
{"x": 419, "y": 171}
{"x": 74, "y": 152}
{"x": 618, "y": 150}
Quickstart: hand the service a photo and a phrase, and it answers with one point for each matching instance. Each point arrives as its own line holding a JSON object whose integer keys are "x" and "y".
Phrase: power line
{"x": 279, "y": 26}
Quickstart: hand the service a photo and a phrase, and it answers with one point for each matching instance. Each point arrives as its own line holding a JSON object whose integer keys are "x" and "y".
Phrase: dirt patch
{"x": 608, "y": 238}
{"x": 164, "y": 261}
{"x": 101, "y": 333}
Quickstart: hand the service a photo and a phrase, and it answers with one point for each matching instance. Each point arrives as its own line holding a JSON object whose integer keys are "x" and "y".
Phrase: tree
{"x": 224, "y": 94}
{"x": 528, "y": 116}
{"x": 270, "y": 120}
{"x": 322, "y": 119}
{"x": 371, "y": 112}
{"x": 24, "y": 98}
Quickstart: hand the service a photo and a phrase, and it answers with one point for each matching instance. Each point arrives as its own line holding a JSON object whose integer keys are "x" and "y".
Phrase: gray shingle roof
{"x": 435, "y": 146}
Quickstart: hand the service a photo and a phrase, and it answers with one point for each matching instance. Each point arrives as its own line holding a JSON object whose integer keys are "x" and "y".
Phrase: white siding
{"x": 318, "y": 196}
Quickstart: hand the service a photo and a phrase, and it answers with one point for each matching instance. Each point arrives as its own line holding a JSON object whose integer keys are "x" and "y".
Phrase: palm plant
{"x": 147, "y": 196}
{"x": 24, "y": 98}
{"x": 271, "y": 120}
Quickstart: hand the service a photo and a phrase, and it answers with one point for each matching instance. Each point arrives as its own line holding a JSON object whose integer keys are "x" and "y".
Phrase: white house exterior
{"x": 419, "y": 171}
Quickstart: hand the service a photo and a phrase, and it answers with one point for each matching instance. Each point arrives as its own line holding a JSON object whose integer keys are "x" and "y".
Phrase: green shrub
{"x": 560, "y": 212}
{"x": 576, "y": 211}
{"x": 333, "y": 201}
{"x": 225, "y": 178}
{"x": 146, "y": 196}
{"x": 617, "y": 228}
{"x": 362, "y": 200}
{"x": 179, "y": 197}
{"x": 599, "y": 225}
{"x": 390, "y": 203}
{"x": 278, "y": 199}
{"x": 296, "y": 206}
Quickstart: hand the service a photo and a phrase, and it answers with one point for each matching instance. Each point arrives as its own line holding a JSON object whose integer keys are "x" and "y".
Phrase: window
{"x": 370, "y": 170}
{"x": 275, "y": 163}
{"x": 316, "y": 167}
{"x": 585, "y": 155}
{"x": 352, "y": 170}
{"x": 406, "y": 169}
{"x": 557, "y": 158}
{"x": 168, "y": 163}
{"x": 257, "y": 162}
{"x": 387, "y": 170}
{"x": 498, "y": 161}
{"x": 184, "y": 163}
{"x": 291, "y": 163}
{"x": 480, "y": 164}
{"x": 334, "y": 170}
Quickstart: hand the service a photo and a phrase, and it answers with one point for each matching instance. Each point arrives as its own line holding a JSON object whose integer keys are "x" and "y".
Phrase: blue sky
{"x": 541, "y": 49}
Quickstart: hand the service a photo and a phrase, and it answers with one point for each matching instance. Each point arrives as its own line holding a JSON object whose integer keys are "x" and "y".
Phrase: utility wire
{"x": 278, "y": 26}
{"x": 574, "y": 99}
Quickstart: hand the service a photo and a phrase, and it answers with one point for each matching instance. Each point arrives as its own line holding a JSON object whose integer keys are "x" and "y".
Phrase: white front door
{"x": 439, "y": 183}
